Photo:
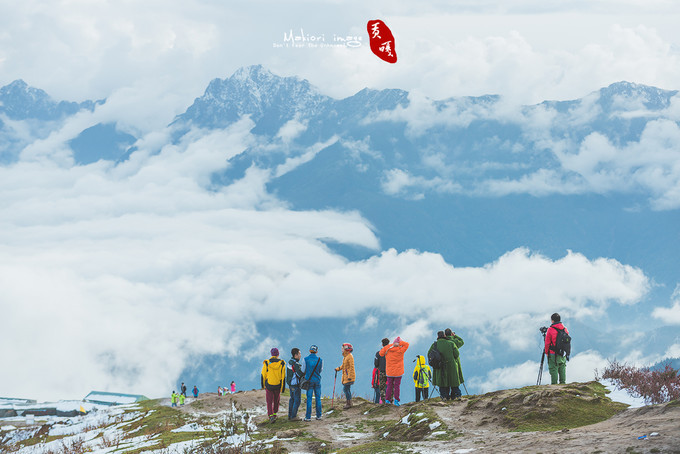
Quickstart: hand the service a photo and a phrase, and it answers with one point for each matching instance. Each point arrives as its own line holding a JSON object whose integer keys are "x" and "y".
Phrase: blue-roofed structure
{"x": 108, "y": 398}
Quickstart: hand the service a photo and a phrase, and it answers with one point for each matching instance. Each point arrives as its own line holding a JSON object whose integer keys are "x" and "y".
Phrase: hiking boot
{"x": 308, "y": 419}
{"x": 272, "y": 418}
{"x": 294, "y": 419}
{"x": 396, "y": 402}
{"x": 388, "y": 402}
{"x": 348, "y": 404}
{"x": 318, "y": 418}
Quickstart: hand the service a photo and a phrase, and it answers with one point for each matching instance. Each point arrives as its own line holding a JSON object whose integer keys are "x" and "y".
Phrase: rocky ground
{"x": 574, "y": 418}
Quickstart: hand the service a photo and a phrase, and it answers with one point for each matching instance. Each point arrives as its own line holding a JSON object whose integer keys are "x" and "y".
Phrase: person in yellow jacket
{"x": 422, "y": 375}
{"x": 348, "y": 373}
{"x": 274, "y": 382}
{"x": 173, "y": 398}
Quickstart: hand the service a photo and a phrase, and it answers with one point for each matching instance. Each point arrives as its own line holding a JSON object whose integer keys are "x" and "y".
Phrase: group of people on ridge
{"x": 305, "y": 374}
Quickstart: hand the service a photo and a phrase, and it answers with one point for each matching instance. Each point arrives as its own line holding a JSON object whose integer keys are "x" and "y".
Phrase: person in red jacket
{"x": 557, "y": 364}
{"x": 394, "y": 368}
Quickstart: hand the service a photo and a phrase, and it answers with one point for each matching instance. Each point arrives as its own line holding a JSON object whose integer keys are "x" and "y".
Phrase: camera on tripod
{"x": 543, "y": 330}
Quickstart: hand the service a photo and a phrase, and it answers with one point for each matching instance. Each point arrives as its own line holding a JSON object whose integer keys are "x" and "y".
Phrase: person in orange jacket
{"x": 394, "y": 368}
{"x": 348, "y": 373}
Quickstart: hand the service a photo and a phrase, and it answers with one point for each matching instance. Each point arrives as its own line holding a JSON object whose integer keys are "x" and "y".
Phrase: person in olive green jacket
{"x": 458, "y": 342}
{"x": 447, "y": 377}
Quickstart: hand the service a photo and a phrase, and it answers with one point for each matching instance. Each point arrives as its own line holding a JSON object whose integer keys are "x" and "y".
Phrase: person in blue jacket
{"x": 312, "y": 367}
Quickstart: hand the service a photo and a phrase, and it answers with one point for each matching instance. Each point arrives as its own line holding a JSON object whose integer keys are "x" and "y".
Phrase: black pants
{"x": 424, "y": 391}
{"x": 445, "y": 391}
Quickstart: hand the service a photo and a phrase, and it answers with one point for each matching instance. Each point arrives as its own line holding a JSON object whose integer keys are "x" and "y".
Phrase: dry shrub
{"x": 653, "y": 385}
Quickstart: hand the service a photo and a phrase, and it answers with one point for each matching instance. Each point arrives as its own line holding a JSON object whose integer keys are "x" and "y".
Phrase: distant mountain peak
{"x": 255, "y": 91}
{"x": 20, "y": 101}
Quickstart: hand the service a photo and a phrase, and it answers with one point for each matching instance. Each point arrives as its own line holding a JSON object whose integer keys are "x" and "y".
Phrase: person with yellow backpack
{"x": 422, "y": 375}
{"x": 274, "y": 382}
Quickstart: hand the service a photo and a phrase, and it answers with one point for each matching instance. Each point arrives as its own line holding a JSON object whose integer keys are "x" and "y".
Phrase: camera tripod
{"x": 540, "y": 370}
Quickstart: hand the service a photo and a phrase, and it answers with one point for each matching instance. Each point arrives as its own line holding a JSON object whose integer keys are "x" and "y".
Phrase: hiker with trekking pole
{"x": 348, "y": 373}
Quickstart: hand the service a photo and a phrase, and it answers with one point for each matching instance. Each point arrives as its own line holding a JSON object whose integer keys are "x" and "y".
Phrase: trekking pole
{"x": 333, "y": 398}
{"x": 466, "y": 393}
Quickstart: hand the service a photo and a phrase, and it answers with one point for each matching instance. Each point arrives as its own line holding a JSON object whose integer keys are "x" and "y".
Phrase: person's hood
{"x": 420, "y": 360}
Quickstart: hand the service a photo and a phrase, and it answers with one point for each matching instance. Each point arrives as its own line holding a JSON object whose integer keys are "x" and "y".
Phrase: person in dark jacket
{"x": 293, "y": 375}
{"x": 447, "y": 376}
{"x": 557, "y": 364}
{"x": 381, "y": 365}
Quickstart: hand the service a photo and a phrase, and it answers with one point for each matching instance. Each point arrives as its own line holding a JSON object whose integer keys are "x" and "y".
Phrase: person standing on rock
{"x": 183, "y": 389}
{"x": 458, "y": 342}
{"x": 379, "y": 363}
{"x": 274, "y": 382}
{"x": 312, "y": 367}
{"x": 293, "y": 375}
{"x": 422, "y": 375}
{"x": 446, "y": 376}
{"x": 557, "y": 364}
{"x": 394, "y": 368}
{"x": 348, "y": 373}
{"x": 195, "y": 392}
{"x": 232, "y": 387}
{"x": 173, "y": 399}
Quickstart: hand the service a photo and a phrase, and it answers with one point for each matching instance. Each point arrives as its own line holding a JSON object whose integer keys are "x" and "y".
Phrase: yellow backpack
{"x": 273, "y": 373}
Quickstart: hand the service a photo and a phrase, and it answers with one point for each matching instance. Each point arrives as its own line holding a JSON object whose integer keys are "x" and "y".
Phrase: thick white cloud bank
{"x": 114, "y": 276}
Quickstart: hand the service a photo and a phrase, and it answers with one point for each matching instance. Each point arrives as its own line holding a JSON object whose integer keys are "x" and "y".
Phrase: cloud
{"x": 401, "y": 182}
{"x": 154, "y": 266}
{"x": 670, "y": 314}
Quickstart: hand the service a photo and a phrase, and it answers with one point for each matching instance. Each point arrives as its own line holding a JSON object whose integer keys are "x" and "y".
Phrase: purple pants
{"x": 393, "y": 385}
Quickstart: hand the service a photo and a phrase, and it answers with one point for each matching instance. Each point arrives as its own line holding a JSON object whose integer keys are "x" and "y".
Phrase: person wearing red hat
{"x": 274, "y": 382}
{"x": 348, "y": 373}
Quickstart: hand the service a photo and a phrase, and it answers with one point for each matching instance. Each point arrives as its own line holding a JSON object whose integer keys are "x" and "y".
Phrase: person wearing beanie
{"x": 394, "y": 368}
{"x": 312, "y": 367}
{"x": 348, "y": 373}
{"x": 274, "y": 382}
{"x": 381, "y": 381}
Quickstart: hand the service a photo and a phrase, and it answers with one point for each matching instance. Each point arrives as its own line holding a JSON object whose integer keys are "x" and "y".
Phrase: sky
{"x": 117, "y": 276}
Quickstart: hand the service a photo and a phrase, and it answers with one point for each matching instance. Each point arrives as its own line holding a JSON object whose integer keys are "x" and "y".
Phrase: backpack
{"x": 291, "y": 371}
{"x": 562, "y": 345}
{"x": 273, "y": 374}
{"x": 434, "y": 357}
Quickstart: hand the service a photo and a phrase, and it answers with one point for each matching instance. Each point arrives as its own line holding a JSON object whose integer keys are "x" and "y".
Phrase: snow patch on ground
{"x": 620, "y": 395}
